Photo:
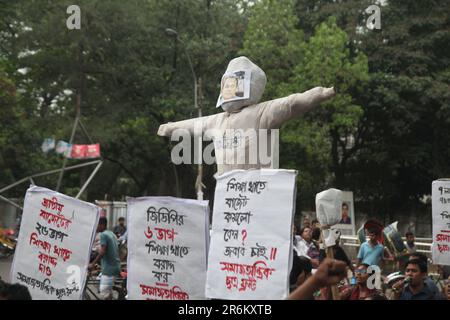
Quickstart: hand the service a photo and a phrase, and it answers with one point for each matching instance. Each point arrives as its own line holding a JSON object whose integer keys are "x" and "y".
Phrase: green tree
{"x": 328, "y": 61}
{"x": 130, "y": 76}
{"x": 271, "y": 40}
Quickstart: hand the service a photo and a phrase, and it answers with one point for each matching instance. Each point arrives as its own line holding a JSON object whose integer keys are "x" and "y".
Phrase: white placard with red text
{"x": 440, "y": 202}
{"x": 54, "y": 245}
{"x": 168, "y": 242}
{"x": 251, "y": 245}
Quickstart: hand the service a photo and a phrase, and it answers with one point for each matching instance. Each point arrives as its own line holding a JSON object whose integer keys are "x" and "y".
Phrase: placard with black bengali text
{"x": 54, "y": 245}
{"x": 168, "y": 242}
{"x": 251, "y": 245}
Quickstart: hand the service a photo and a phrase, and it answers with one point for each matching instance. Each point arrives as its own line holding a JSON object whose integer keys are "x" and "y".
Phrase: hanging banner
{"x": 85, "y": 151}
{"x": 251, "y": 242}
{"x": 47, "y": 145}
{"x": 78, "y": 151}
{"x": 63, "y": 148}
{"x": 167, "y": 248}
{"x": 52, "y": 254}
{"x": 440, "y": 203}
{"x": 93, "y": 151}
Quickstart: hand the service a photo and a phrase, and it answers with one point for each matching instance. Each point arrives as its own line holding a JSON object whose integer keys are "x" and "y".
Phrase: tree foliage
{"x": 384, "y": 136}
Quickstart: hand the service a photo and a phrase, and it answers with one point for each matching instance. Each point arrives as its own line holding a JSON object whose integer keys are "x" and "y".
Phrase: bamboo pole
{"x": 329, "y": 254}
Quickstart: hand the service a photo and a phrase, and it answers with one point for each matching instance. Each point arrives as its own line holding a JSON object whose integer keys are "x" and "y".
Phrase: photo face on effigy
{"x": 229, "y": 88}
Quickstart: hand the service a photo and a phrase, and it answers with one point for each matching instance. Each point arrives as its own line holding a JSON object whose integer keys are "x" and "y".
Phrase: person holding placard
{"x": 14, "y": 291}
{"x": 109, "y": 257}
{"x": 329, "y": 273}
{"x": 304, "y": 245}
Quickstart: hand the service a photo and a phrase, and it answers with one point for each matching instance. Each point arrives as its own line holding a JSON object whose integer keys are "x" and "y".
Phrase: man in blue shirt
{"x": 421, "y": 257}
{"x": 414, "y": 287}
{"x": 371, "y": 252}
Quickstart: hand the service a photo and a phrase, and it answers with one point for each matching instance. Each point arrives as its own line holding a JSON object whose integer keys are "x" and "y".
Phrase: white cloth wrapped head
{"x": 328, "y": 210}
{"x": 329, "y": 206}
{"x": 242, "y": 85}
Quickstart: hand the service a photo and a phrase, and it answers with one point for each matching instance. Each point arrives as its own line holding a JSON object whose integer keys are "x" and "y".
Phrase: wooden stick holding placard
{"x": 329, "y": 254}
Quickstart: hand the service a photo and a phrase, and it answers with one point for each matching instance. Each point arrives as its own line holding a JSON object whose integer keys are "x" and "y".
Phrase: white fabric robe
{"x": 265, "y": 115}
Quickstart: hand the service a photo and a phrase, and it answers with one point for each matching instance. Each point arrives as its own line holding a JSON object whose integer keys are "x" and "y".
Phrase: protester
{"x": 314, "y": 250}
{"x": 315, "y": 224}
{"x": 338, "y": 254}
{"x": 414, "y": 287}
{"x": 403, "y": 257}
{"x": 295, "y": 239}
{"x": 418, "y": 256}
{"x": 13, "y": 291}
{"x": 304, "y": 244}
{"x": 421, "y": 257}
{"x": 3, "y": 290}
{"x": 120, "y": 228}
{"x": 410, "y": 246}
{"x": 371, "y": 252}
{"x": 306, "y": 223}
{"x": 447, "y": 289}
{"x": 301, "y": 270}
{"x": 360, "y": 291}
{"x": 109, "y": 257}
{"x": 329, "y": 273}
{"x": 376, "y": 296}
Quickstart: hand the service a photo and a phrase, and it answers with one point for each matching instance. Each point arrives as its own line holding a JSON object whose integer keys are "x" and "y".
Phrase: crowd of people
{"x": 316, "y": 276}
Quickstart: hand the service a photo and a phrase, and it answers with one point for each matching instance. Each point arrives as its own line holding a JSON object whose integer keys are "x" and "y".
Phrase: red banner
{"x": 84, "y": 151}
{"x": 93, "y": 151}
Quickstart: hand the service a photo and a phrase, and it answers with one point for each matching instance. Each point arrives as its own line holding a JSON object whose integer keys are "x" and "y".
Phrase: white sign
{"x": 54, "y": 245}
{"x": 440, "y": 203}
{"x": 346, "y": 224}
{"x": 167, "y": 248}
{"x": 251, "y": 242}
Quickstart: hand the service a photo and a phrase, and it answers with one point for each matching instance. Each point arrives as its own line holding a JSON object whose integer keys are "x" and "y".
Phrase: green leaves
{"x": 295, "y": 65}
{"x": 131, "y": 77}
{"x": 273, "y": 42}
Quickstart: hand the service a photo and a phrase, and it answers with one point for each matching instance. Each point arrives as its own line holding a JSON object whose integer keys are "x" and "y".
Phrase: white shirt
{"x": 302, "y": 247}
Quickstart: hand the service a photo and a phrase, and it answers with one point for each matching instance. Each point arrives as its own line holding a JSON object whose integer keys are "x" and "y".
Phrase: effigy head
{"x": 242, "y": 85}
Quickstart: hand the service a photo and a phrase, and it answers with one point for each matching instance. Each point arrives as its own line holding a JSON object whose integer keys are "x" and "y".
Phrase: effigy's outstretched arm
{"x": 202, "y": 123}
{"x": 278, "y": 111}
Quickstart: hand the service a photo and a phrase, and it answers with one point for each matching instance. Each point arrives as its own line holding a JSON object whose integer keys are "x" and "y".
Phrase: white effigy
{"x": 236, "y": 131}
